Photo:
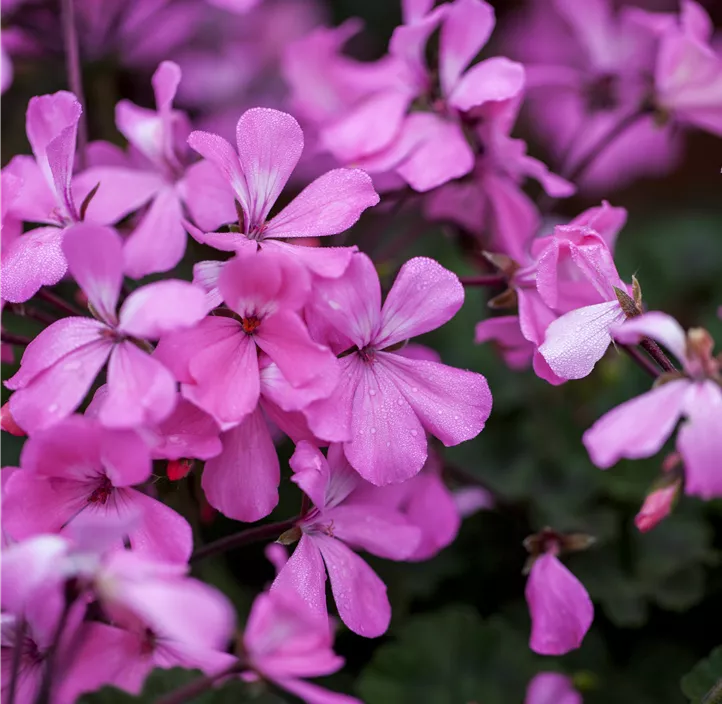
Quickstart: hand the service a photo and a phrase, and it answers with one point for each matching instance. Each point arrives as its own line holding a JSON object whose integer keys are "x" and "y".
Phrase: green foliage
{"x": 703, "y": 685}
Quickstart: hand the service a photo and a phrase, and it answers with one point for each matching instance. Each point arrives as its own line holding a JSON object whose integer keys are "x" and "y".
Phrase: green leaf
{"x": 703, "y": 685}
{"x": 447, "y": 657}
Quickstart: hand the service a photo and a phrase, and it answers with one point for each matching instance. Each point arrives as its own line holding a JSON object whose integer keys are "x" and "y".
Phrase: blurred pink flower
{"x": 657, "y": 506}
{"x": 552, "y": 688}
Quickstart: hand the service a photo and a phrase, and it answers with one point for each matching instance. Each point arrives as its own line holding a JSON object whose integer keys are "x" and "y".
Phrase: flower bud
{"x": 657, "y": 506}
{"x": 177, "y": 469}
{"x": 8, "y": 424}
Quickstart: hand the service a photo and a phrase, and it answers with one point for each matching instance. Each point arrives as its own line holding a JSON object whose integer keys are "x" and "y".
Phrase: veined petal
{"x": 220, "y": 153}
{"x": 208, "y": 196}
{"x": 325, "y": 262}
{"x": 492, "y": 79}
{"x": 310, "y": 472}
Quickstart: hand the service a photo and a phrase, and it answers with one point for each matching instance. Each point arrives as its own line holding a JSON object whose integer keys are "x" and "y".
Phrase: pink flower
{"x": 387, "y": 403}
{"x": 639, "y": 427}
{"x": 552, "y": 688}
{"x": 344, "y": 513}
{"x": 285, "y": 641}
{"x": 657, "y": 506}
{"x": 269, "y": 147}
{"x": 60, "y": 365}
{"x": 78, "y": 467}
{"x": 560, "y": 608}
{"x": 158, "y": 157}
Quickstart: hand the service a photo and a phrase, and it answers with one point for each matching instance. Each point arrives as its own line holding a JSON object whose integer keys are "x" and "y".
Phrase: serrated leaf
{"x": 703, "y": 685}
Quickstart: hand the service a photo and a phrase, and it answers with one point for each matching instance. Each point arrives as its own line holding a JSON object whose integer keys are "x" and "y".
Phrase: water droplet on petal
{"x": 373, "y": 431}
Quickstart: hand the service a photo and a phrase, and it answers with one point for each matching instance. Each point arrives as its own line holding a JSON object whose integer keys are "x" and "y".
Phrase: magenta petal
{"x": 313, "y": 694}
{"x": 159, "y": 240}
{"x": 575, "y": 342}
{"x": 452, "y": 404}
{"x": 95, "y": 260}
{"x": 637, "y": 428}
{"x": 699, "y": 441}
{"x": 187, "y": 432}
{"x": 242, "y": 481}
{"x": 221, "y": 154}
{"x": 659, "y": 326}
{"x": 310, "y": 472}
{"x": 270, "y": 143}
{"x": 492, "y": 79}
{"x": 304, "y": 574}
{"x": 326, "y": 262}
{"x": 504, "y": 330}
{"x": 329, "y": 205}
{"x": 162, "y": 307}
{"x": 359, "y": 594}
{"x": 160, "y": 533}
{"x": 205, "y": 275}
{"x": 561, "y": 610}
{"x": 140, "y": 389}
{"x": 35, "y": 259}
{"x": 35, "y": 200}
{"x": 424, "y": 297}
{"x": 552, "y": 688}
{"x": 208, "y": 196}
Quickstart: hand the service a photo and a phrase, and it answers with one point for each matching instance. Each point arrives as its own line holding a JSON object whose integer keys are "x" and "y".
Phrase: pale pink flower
{"x": 657, "y": 506}
{"x": 387, "y": 402}
{"x": 79, "y": 467}
{"x": 561, "y": 610}
{"x": 639, "y": 427}
{"x": 284, "y": 641}
{"x": 552, "y": 688}
{"x": 345, "y": 512}
{"x": 269, "y": 144}
{"x": 60, "y": 365}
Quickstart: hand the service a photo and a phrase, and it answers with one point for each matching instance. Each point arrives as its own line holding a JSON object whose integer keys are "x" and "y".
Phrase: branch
{"x": 483, "y": 280}
{"x": 75, "y": 76}
{"x": 60, "y": 303}
{"x": 190, "y": 691}
{"x": 10, "y": 338}
{"x": 641, "y": 359}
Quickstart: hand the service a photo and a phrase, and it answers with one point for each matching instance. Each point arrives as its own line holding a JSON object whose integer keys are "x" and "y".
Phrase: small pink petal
{"x": 492, "y": 79}
{"x": 552, "y": 688}
{"x": 208, "y": 196}
{"x": 310, "y": 472}
{"x": 659, "y": 326}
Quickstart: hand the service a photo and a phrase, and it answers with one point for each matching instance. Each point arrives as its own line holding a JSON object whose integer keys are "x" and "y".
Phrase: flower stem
{"x": 60, "y": 303}
{"x": 190, "y": 691}
{"x": 10, "y": 338}
{"x": 483, "y": 280}
{"x": 655, "y": 352}
{"x": 244, "y": 537}
{"x": 641, "y": 359}
{"x": 45, "y": 692}
{"x": 40, "y": 316}
{"x": 75, "y": 76}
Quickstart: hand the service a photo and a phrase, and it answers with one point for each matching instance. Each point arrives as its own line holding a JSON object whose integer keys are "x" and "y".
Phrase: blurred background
{"x": 460, "y": 623}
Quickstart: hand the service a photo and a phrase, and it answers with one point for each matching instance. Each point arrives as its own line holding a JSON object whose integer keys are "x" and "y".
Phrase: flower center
{"x": 250, "y": 324}
{"x": 102, "y": 493}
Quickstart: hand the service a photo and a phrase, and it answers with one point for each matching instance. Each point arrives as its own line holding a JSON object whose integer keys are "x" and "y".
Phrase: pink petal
{"x": 35, "y": 259}
{"x": 414, "y": 10}
{"x": 36, "y": 200}
{"x": 165, "y": 82}
{"x": 187, "y": 432}
{"x": 505, "y": 332}
{"x": 452, "y": 404}
{"x": 699, "y": 440}
{"x": 270, "y": 143}
{"x": 379, "y": 530}
{"x": 140, "y": 389}
{"x": 205, "y": 275}
{"x": 424, "y": 297}
{"x": 208, "y": 196}
{"x": 95, "y": 260}
{"x": 492, "y": 79}
{"x": 159, "y": 241}
{"x": 52, "y": 126}
{"x": 326, "y": 262}
{"x": 637, "y": 428}
{"x": 561, "y": 611}
{"x": 359, "y": 594}
{"x": 142, "y": 128}
{"x": 242, "y": 482}
{"x": 605, "y": 220}
{"x": 575, "y": 342}
{"x": 313, "y": 694}
{"x": 329, "y": 205}
{"x": 552, "y": 688}
{"x": 466, "y": 29}
{"x": 162, "y": 307}
{"x": 408, "y": 45}
{"x": 659, "y": 326}
{"x": 304, "y": 574}
{"x": 310, "y": 472}
{"x": 221, "y": 154}
{"x": 66, "y": 382}
{"x": 161, "y": 533}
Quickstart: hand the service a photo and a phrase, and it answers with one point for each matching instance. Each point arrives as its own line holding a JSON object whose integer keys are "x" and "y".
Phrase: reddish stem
{"x": 483, "y": 280}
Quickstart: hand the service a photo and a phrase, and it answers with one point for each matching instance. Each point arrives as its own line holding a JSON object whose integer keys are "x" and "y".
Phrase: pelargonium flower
{"x": 159, "y": 156}
{"x": 640, "y": 426}
{"x": 387, "y": 402}
{"x": 79, "y": 467}
{"x": 285, "y": 641}
{"x": 552, "y": 688}
{"x": 61, "y": 363}
{"x": 561, "y": 610}
{"x": 49, "y": 194}
{"x": 269, "y": 144}
{"x": 342, "y": 516}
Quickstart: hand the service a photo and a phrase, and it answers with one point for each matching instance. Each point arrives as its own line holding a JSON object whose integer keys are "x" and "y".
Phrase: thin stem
{"x": 20, "y": 630}
{"x": 60, "y": 303}
{"x": 244, "y": 537}
{"x": 190, "y": 691}
{"x": 483, "y": 280}
{"x": 655, "y": 352}
{"x": 641, "y": 359}
{"x": 75, "y": 76}
{"x": 41, "y": 316}
{"x": 10, "y": 338}
{"x": 44, "y": 695}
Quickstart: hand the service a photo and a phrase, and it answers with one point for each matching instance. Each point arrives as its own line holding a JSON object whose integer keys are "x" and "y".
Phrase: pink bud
{"x": 177, "y": 469}
{"x": 656, "y": 506}
{"x": 8, "y": 424}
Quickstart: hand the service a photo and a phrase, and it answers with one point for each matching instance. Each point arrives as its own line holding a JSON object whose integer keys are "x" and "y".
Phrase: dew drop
{"x": 414, "y": 432}
{"x": 372, "y": 392}
{"x": 414, "y": 389}
{"x": 373, "y": 431}
{"x": 53, "y": 407}
{"x": 400, "y": 402}
{"x": 388, "y": 444}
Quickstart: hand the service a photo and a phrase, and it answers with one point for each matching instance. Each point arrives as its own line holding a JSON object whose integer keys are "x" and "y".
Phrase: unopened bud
{"x": 291, "y": 536}
{"x": 8, "y": 423}
{"x": 177, "y": 469}
{"x": 505, "y": 264}
{"x": 657, "y": 506}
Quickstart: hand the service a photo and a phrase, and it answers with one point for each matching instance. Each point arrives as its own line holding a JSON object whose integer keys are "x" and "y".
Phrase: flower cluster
{"x": 280, "y": 338}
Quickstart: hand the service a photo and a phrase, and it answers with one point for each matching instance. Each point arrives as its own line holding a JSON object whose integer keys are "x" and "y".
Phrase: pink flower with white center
{"x": 639, "y": 427}
{"x": 159, "y": 156}
{"x": 387, "y": 402}
{"x": 345, "y": 513}
{"x": 269, "y": 144}
{"x": 284, "y": 641}
{"x": 561, "y": 610}
{"x": 552, "y": 688}
{"x": 77, "y": 467}
{"x": 49, "y": 194}
{"x": 61, "y": 363}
